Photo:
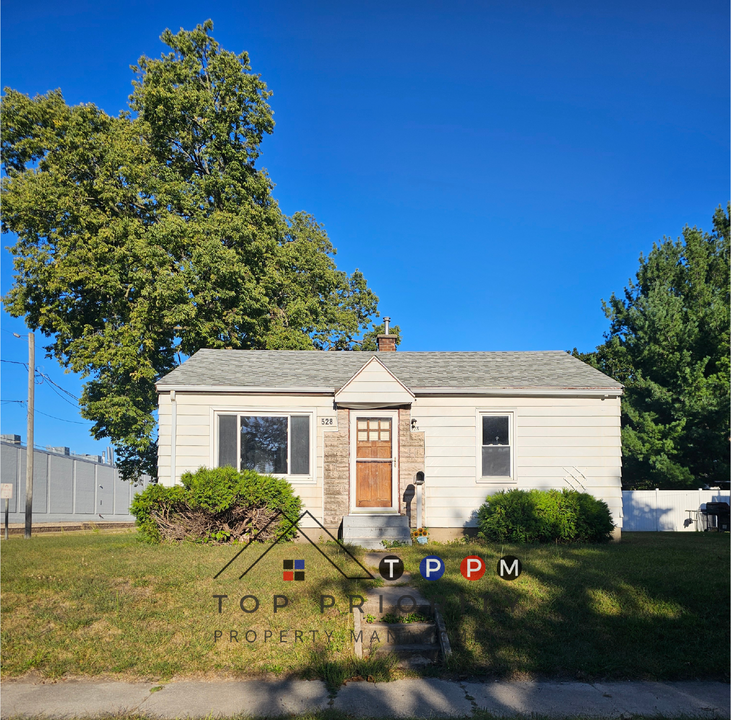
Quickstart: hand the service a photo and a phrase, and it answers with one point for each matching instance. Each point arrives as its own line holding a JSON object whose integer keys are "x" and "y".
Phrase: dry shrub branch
{"x": 217, "y": 505}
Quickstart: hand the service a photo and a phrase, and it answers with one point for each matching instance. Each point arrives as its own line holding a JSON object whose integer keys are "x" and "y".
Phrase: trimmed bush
{"x": 216, "y": 505}
{"x": 155, "y": 500}
{"x": 537, "y": 516}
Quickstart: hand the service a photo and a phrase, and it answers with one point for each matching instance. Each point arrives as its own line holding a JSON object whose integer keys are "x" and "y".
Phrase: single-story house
{"x": 351, "y": 430}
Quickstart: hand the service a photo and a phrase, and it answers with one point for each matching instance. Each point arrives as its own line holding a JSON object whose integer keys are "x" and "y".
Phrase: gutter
{"x": 434, "y": 391}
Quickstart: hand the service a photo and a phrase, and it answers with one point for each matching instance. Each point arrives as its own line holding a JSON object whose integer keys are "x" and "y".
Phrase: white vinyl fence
{"x": 672, "y": 510}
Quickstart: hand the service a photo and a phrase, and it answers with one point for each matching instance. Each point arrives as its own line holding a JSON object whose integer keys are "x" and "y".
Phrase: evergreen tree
{"x": 668, "y": 343}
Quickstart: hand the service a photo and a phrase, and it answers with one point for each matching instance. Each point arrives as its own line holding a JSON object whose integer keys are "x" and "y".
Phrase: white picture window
{"x": 269, "y": 444}
{"x": 496, "y": 445}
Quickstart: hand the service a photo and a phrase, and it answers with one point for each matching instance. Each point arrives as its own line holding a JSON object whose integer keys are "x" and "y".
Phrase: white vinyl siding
{"x": 551, "y": 436}
{"x": 196, "y": 441}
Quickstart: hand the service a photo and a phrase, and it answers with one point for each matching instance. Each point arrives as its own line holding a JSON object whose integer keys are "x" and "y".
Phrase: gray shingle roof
{"x": 417, "y": 370}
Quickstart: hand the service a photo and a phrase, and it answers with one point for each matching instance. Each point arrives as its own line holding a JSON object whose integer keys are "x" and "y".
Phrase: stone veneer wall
{"x": 411, "y": 461}
{"x": 337, "y": 471}
{"x": 337, "y": 466}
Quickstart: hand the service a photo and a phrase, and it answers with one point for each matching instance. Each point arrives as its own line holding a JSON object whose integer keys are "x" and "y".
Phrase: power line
{"x": 62, "y": 397}
{"x": 40, "y": 412}
{"x": 75, "y": 422}
{"x": 53, "y": 385}
{"x": 43, "y": 375}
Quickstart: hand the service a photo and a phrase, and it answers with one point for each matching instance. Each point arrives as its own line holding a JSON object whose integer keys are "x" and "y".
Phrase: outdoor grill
{"x": 716, "y": 516}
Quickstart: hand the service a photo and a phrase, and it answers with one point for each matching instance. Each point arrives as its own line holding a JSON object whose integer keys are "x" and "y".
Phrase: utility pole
{"x": 29, "y": 448}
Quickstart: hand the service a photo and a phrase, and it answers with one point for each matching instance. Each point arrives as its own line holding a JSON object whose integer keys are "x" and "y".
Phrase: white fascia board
{"x": 246, "y": 390}
{"x": 510, "y": 392}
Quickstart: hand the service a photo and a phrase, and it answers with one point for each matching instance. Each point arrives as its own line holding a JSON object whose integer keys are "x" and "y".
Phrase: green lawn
{"x": 650, "y": 607}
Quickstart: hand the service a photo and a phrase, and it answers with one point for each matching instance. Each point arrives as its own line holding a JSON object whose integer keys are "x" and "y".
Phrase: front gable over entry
{"x": 373, "y": 386}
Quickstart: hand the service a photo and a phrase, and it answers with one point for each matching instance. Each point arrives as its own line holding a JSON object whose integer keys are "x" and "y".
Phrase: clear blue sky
{"x": 494, "y": 169}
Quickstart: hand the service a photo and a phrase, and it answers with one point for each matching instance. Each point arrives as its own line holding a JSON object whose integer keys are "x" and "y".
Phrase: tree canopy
{"x": 668, "y": 343}
{"x": 154, "y": 232}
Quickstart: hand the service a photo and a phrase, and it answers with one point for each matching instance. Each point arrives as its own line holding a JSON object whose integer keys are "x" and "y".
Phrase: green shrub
{"x": 535, "y": 516}
{"x": 217, "y": 505}
{"x": 155, "y": 499}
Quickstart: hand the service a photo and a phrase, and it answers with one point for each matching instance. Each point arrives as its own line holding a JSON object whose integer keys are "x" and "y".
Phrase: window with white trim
{"x": 497, "y": 447}
{"x": 268, "y": 443}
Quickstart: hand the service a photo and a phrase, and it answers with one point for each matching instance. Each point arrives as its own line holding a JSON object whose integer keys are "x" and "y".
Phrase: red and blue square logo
{"x": 294, "y": 570}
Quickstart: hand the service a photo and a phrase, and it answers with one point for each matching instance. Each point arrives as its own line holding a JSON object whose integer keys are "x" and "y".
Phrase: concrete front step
{"x": 378, "y": 532}
{"x": 414, "y": 644}
{"x": 369, "y": 531}
{"x": 398, "y": 634}
{"x": 429, "y": 653}
{"x": 395, "y": 599}
{"x": 371, "y": 543}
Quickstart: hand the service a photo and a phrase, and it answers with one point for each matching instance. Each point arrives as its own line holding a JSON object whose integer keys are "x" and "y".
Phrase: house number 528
{"x": 327, "y": 421}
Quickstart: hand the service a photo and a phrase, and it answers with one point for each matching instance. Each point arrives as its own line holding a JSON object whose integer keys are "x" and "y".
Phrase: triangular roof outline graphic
{"x": 295, "y": 523}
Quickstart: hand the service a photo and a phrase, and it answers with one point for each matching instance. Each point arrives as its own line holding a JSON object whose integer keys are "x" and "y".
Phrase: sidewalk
{"x": 420, "y": 698}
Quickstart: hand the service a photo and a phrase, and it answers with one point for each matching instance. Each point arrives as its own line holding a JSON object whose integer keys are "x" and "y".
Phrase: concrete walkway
{"x": 57, "y": 527}
{"x": 420, "y": 698}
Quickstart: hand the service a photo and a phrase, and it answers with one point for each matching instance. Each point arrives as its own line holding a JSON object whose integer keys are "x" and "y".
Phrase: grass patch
{"x": 109, "y": 604}
{"x": 334, "y": 673}
{"x": 653, "y": 607}
{"x": 395, "y": 618}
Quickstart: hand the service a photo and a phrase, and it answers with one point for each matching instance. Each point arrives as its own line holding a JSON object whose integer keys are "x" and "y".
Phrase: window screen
{"x": 227, "y": 440}
{"x": 300, "y": 436}
{"x": 495, "y": 446}
{"x": 264, "y": 444}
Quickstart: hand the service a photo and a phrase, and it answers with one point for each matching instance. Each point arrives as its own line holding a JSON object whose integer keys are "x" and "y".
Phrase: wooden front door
{"x": 373, "y": 462}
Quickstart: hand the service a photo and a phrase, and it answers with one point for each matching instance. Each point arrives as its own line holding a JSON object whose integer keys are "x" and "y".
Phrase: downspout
{"x": 173, "y": 436}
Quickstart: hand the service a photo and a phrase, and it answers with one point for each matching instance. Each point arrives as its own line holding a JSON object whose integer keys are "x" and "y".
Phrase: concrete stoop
{"x": 369, "y": 531}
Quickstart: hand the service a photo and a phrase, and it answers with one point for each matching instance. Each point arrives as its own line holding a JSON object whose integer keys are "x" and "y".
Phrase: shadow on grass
{"x": 648, "y": 608}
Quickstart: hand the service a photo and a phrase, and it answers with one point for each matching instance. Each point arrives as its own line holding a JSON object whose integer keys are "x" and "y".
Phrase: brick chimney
{"x": 386, "y": 342}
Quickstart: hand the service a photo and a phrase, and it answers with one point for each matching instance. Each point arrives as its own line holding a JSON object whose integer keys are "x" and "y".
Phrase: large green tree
{"x": 152, "y": 233}
{"x": 668, "y": 342}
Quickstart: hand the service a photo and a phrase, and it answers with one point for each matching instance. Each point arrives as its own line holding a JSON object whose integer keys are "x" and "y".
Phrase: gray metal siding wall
{"x": 85, "y": 494}
{"x": 67, "y": 488}
{"x": 9, "y": 464}
{"x": 105, "y": 490}
{"x": 61, "y": 469}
